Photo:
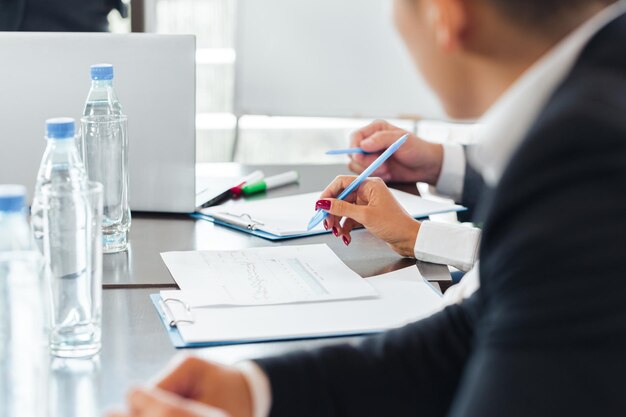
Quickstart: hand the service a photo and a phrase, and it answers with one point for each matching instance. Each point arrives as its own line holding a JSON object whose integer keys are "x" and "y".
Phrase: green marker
{"x": 271, "y": 182}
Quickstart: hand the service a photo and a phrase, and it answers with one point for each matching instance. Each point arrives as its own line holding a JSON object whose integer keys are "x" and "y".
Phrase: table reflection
{"x": 74, "y": 385}
{"x": 117, "y": 266}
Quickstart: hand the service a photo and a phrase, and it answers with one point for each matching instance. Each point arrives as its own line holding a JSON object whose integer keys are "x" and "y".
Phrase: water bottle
{"x": 23, "y": 337}
{"x": 104, "y": 149}
{"x": 102, "y": 100}
{"x": 61, "y": 164}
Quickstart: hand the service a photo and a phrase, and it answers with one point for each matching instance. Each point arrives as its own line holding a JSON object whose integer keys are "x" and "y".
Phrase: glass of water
{"x": 104, "y": 148}
{"x": 72, "y": 245}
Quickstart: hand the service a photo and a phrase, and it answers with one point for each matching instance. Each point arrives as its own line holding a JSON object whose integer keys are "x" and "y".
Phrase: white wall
{"x": 338, "y": 58}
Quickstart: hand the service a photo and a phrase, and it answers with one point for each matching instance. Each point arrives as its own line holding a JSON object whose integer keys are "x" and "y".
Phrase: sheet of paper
{"x": 286, "y": 216}
{"x": 270, "y": 275}
{"x": 404, "y": 296}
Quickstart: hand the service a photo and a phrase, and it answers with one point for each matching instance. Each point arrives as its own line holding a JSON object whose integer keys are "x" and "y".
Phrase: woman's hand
{"x": 194, "y": 388}
{"x": 416, "y": 160}
{"x": 371, "y": 205}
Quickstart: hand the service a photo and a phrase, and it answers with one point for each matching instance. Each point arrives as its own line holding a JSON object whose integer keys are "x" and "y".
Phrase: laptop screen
{"x": 46, "y": 75}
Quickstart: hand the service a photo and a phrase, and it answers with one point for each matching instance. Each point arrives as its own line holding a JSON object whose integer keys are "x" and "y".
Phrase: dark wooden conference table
{"x": 135, "y": 344}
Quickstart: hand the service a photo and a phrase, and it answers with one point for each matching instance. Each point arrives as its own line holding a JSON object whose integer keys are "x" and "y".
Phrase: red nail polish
{"x": 345, "y": 240}
{"x": 322, "y": 205}
{"x": 325, "y": 224}
{"x": 335, "y": 231}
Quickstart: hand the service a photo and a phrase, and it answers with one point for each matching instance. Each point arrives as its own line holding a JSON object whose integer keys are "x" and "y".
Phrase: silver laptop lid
{"x": 45, "y": 75}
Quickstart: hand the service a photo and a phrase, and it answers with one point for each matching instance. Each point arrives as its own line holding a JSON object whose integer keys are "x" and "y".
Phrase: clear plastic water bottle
{"x": 104, "y": 148}
{"x": 102, "y": 100}
{"x": 61, "y": 164}
{"x": 23, "y": 336}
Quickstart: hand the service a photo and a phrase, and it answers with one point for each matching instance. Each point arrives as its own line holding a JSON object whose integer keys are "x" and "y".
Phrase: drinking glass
{"x": 73, "y": 251}
{"x": 104, "y": 147}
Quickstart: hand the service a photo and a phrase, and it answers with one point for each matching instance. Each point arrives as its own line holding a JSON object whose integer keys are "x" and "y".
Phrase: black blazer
{"x": 546, "y": 333}
{"x": 58, "y": 15}
{"x": 473, "y": 188}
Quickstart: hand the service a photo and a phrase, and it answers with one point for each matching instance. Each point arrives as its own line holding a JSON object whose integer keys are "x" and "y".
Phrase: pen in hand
{"x": 321, "y": 214}
{"x": 349, "y": 151}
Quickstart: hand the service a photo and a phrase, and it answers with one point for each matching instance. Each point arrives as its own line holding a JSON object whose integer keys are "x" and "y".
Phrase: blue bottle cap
{"x": 12, "y": 198}
{"x": 102, "y": 72}
{"x": 60, "y": 128}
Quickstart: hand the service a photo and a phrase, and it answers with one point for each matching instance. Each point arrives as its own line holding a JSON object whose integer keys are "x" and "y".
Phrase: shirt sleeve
{"x": 448, "y": 244}
{"x": 259, "y": 386}
{"x": 468, "y": 285}
{"x": 452, "y": 176}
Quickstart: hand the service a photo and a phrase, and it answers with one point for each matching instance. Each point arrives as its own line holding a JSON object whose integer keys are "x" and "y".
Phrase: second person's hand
{"x": 415, "y": 161}
{"x": 193, "y": 387}
{"x": 156, "y": 402}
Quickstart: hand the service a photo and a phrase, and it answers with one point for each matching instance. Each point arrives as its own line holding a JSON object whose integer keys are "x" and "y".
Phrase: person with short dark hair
{"x": 58, "y": 15}
{"x": 545, "y": 333}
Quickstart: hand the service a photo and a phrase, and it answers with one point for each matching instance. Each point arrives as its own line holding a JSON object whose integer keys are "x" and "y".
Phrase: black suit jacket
{"x": 58, "y": 15}
{"x": 546, "y": 333}
{"x": 473, "y": 188}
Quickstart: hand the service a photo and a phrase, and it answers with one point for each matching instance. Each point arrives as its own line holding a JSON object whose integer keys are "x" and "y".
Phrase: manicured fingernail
{"x": 322, "y": 205}
{"x": 345, "y": 240}
{"x": 325, "y": 225}
{"x": 335, "y": 231}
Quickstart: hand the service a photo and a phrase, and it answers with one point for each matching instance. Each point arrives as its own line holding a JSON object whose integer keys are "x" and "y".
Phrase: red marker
{"x": 249, "y": 179}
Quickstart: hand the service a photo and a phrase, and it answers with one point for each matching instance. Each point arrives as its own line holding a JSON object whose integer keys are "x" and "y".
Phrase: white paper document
{"x": 271, "y": 275}
{"x": 404, "y": 297}
{"x": 286, "y": 216}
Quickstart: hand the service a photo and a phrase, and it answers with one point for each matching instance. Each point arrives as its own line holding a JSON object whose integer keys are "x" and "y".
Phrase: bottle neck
{"x": 102, "y": 99}
{"x": 61, "y": 163}
{"x": 13, "y": 214}
{"x": 101, "y": 84}
{"x": 13, "y": 217}
{"x": 63, "y": 150}
{"x": 66, "y": 144}
{"x": 14, "y": 231}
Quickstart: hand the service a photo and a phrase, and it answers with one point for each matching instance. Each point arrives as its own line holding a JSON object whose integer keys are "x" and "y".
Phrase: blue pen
{"x": 349, "y": 151}
{"x": 321, "y": 214}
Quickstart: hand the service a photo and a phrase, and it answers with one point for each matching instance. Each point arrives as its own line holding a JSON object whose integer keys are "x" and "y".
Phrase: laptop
{"x": 46, "y": 75}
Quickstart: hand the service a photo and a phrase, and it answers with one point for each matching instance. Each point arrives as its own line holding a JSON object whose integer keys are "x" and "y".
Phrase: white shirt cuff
{"x": 452, "y": 176}
{"x": 259, "y": 386}
{"x": 468, "y": 285}
{"x": 448, "y": 243}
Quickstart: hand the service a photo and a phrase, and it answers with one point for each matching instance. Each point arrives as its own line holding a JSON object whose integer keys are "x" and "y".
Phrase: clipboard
{"x": 251, "y": 227}
{"x": 171, "y": 327}
{"x": 406, "y": 293}
{"x": 255, "y": 218}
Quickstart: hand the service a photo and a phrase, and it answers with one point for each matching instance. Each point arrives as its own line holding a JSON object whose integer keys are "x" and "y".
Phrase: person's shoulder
{"x": 593, "y": 95}
{"x": 579, "y": 135}
{"x": 586, "y": 112}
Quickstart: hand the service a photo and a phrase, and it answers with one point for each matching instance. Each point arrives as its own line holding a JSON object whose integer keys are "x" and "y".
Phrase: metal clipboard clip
{"x": 171, "y": 318}
{"x": 242, "y": 220}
